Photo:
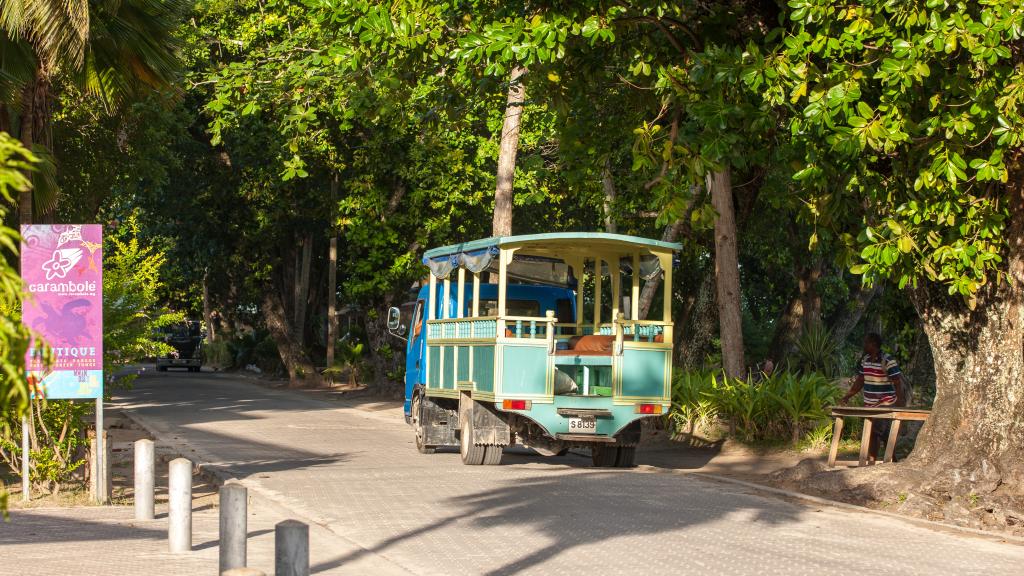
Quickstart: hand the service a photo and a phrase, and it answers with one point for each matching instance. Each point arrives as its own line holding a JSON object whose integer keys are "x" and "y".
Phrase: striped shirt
{"x": 878, "y": 374}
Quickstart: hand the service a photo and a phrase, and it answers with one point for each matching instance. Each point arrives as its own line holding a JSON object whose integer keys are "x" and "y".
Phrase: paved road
{"x": 357, "y": 474}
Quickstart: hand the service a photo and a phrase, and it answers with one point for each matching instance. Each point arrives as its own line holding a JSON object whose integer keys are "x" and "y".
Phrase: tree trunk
{"x": 211, "y": 330}
{"x": 808, "y": 286}
{"x": 673, "y": 231}
{"x": 696, "y": 332}
{"x": 974, "y": 440}
{"x": 502, "y": 225}
{"x": 35, "y": 117}
{"x": 970, "y": 453}
{"x": 608, "y": 183}
{"x": 302, "y": 289}
{"x": 332, "y": 298}
{"x": 804, "y": 310}
{"x": 727, "y": 274}
{"x": 650, "y": 288}
{"x": 296, "y": 362}
{"x": 919, "y": 370}
{"x": 848, "y": 321}
{"x": 5, "y": 119}
{"x": 383, "y": 365}
{"x": 787, "y": 330}
{"x": 332, "y": 277}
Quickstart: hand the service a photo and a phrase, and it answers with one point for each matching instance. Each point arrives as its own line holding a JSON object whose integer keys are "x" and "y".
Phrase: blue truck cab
{"x": 524, "y": 300}
{"x": 553, "y": 355}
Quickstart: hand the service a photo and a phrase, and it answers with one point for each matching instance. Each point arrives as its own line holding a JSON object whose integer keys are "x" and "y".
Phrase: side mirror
{"x": 394, "y": 319}
{"x": 395, "y": 324}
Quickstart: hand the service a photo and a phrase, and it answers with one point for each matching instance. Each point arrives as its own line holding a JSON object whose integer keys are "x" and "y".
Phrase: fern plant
{"x": 816, "y": 350}
{"x": 350, "y": 359}
{"x": 782, "y": 407}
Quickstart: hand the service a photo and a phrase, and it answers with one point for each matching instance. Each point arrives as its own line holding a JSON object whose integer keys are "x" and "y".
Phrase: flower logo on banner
{"x": 62, "y": 261}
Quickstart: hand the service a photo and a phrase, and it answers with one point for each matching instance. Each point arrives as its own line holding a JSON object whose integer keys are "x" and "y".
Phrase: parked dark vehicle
{"x": 187, "y": 340}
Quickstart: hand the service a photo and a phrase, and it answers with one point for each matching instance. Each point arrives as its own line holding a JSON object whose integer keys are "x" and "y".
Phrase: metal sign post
{"x": 62, "y": 270}
{"x": 101, "y": 454}
{"x": 25, "y": 496}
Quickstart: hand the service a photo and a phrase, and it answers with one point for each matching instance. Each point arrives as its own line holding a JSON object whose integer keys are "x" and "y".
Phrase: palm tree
{"x": 112, "y": 50}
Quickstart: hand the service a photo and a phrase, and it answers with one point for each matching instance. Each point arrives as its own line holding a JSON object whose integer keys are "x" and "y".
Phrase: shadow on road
{"x": 33, "y": 527}
{"x": 191, "y": 403}
{"x": 574, "y": 510}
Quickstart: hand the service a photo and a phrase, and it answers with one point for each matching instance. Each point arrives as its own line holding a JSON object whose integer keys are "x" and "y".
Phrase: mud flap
{"x": 630, "y": 435}
{"x": 440, "y": 424}
{"x": 489, "y": 428}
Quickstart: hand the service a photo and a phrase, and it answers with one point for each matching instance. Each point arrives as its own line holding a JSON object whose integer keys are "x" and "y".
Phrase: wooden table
{"x": 895, "y": 413}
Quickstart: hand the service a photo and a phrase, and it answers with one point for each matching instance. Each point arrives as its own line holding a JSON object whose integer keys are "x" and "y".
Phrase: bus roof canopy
{"x": 555, "y": 241}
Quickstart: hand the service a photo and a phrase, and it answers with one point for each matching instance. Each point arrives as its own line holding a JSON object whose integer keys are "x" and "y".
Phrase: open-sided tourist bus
{"x": 536, "y": 339}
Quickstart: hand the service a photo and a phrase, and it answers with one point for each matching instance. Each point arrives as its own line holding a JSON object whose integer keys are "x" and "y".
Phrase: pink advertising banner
{"x": 62, "y": 268}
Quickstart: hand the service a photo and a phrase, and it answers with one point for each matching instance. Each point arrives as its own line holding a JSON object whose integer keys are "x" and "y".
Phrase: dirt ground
{"x": 122, "y": 433}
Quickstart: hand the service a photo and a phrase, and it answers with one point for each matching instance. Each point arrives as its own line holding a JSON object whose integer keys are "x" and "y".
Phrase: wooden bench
{"x": 895, "y": 413}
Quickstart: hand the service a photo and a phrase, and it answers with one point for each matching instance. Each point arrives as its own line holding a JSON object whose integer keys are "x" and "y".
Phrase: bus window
{"x": 417, "y": 320}
{"x": 515, "y": 308}
{"x": 563, "y": 311}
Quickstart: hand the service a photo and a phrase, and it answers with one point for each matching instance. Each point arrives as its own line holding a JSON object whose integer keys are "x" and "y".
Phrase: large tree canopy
{"x": 828, "y": 165}
{"x": 915, "y": 110}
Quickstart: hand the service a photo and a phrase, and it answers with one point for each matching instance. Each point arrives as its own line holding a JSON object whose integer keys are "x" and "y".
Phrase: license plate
{"x": 582, "y": 426}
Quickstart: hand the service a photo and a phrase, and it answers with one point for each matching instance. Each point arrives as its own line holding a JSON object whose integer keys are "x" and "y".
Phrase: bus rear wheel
{"x": 472, "y": 454}
{"x": 492, "y": 456}
{"x": 603, "y": 456}
{"x": 626, "y": 457}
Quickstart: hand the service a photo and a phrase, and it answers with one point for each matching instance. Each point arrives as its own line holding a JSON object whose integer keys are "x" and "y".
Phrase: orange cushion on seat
{"x": 593, "y": 345}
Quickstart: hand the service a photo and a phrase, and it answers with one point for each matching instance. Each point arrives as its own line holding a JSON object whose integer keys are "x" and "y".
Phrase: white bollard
{"x": 233, "y": 529}
{"x": 179, "y": 525}
{"x": 145, "y": 469}
{"x": 291, "y": 548}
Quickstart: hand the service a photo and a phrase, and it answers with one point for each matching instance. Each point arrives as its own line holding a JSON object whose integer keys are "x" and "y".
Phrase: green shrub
{"x": 818, "y": 438}
{"x": 349, "y": 361}
{"x": 692, "y": 404}
{"x": 816, "y": 351}
{"x": 218, "y": 355}
{"x": 266, "y": 356}
{"x": 255, "y": 348}
{"x": 132, "y": 313}
{"x": 782, "y": 407}
{"x": 55, "y": 438}
{"x": 15, "y": 163}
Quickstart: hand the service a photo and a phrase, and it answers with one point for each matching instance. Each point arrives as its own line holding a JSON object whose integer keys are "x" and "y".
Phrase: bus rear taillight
{"x": 648, "y": 408}
{"x": 516, "y": 404}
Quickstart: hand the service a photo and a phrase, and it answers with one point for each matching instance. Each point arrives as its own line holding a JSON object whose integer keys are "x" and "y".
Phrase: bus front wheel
{"x": 417, "y": 422}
